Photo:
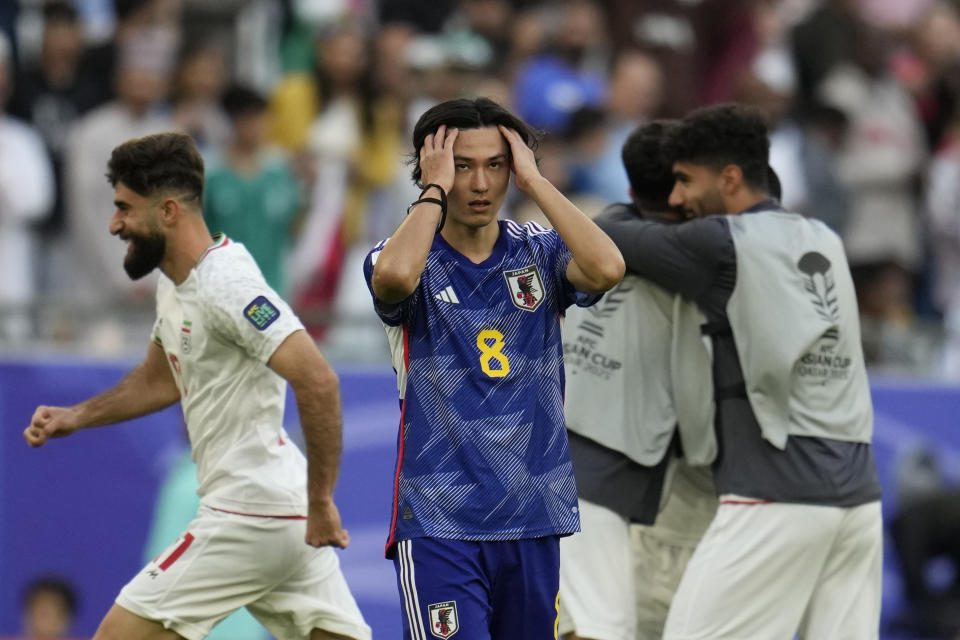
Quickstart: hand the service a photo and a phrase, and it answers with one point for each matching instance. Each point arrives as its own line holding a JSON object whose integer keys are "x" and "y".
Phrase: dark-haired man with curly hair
{"x": 796, "y": 545}
{"x": 471, "y": 304}
{"x": 225, "y": 345}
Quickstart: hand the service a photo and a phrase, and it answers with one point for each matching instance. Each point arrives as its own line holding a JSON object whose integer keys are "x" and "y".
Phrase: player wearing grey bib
{"x": 637, "y": 370}
{"x": 796, "y": 545}
{"x": 223, "y": 345}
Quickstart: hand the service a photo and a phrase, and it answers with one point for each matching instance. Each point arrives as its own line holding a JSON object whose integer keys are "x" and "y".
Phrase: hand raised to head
{"x": 524, "y": 163}
{"x": 436, "y": 158}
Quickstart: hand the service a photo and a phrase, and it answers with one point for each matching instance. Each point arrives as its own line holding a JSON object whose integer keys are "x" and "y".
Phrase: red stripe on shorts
{"x": 175, "y": 555}
{"x": 747, "y": 502}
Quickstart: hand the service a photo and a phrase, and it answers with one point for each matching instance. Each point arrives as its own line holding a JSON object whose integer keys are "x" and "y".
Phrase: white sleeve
{"x": 244, "y": 310}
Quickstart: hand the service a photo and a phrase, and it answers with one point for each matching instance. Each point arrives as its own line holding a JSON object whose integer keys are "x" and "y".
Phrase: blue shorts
{"x": 478, "y": 590}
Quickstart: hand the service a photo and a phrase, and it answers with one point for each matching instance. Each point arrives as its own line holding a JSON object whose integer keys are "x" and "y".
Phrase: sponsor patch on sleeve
{"x": 261, "y": 313}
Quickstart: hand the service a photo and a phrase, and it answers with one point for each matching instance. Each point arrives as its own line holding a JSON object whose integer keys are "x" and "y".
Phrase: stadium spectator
{"x": 355, "y": 141}
{"x": 569, "y": 75}
{"x": 930, "y": 68}
{"x": 49, "y": 96}
{"x": 223, "y": 344}
{"x": 484, "y": 482}
{"x": 637, "y": 354}
{"x": 634, "y": 96}
{"x": 195, "y": 94}
{"x": 824, "y": 132}
{"x": 152, "y": 20}
{"x": 879, "y": 165}
{"x": 251, "y": 194}
{"x": 27, "y": 192}
{"x": 488, "y": 19}
{"x": 91, "y": 275}
{"x": 48, "y": 606}
{"x": 799, "y": 510}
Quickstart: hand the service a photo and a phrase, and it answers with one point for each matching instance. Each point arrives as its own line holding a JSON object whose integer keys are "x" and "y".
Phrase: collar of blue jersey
{"x": 499, "y": 249}
{"x": 767, "y": 204}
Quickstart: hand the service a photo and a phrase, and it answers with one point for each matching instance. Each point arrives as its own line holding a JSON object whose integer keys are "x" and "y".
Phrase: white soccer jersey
{"x": 218, "y": 328}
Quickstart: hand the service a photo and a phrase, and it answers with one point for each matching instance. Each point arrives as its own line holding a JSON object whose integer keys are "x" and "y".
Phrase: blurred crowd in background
{"x": 303, "y": 110}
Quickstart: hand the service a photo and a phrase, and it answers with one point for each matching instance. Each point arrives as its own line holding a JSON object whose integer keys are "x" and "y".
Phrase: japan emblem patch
{"x": 526, "y": 287}
{"x": 443, "y": 619}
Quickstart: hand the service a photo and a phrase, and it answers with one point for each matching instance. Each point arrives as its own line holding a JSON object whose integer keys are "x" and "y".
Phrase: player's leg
{"x": 214, "y": 569}
{"x": 658, "y": 565}
{"x": 661, "y": 552}
{"x": 846, "y": 602}
{"x": 752, "y": 574}
{"x": 596, "y": 574}
{"x": 524, "y": 588}
{"x": 312, "y": 599}
{"x": 444, "y": 589}
{"x": 120, "y": 624}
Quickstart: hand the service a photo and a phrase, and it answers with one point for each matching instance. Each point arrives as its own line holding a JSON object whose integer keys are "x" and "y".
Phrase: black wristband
{"x": 442, "y": 202}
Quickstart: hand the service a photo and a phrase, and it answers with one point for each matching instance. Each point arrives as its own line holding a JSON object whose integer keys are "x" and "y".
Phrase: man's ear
{"x": 169, "y": 211}
{"x": 731, "y": 179}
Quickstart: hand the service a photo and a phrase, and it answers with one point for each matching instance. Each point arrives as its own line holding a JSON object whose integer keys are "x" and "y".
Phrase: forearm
{"x": 657, "y": 252}
{"x": 141, "y": 391}
{"x": 320, "y": 417}
{"x": 404, "y": 256}
{"x": 591, "y": 249}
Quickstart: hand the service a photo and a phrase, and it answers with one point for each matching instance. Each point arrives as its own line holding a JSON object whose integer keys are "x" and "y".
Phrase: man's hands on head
{"x": 436, "y": 158}
{"x": 524, "y": 163}
{"x": 50, "y": 422}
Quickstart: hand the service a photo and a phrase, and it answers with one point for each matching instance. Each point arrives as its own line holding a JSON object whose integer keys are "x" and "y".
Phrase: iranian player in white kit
{"x": 223, "y": 344}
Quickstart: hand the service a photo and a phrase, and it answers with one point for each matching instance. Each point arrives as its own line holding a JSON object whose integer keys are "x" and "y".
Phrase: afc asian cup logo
{"x": 526, "y": 287}
{"x": 443, "y": 619}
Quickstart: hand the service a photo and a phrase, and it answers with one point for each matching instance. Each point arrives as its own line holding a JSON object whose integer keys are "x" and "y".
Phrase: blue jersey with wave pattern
{"x": 482, "y": 449}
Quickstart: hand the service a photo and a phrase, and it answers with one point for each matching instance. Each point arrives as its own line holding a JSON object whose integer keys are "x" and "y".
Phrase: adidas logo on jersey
{"x": 448, "y": 295}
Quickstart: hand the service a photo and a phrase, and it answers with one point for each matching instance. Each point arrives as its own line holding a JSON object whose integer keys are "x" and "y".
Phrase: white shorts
{"x": 658, "y": 566}
{"x": 596, "y": 577}
{"x": 627, "y": 572}
{"x": 772, "y": 570}
{"x": 661, "y": 552}
{"x": 226, "y": 561}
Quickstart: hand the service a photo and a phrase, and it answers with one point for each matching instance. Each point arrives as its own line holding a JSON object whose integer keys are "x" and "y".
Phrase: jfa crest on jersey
{"x": 482, "y": 450}
{"x": 526, "y": 287}
{"x": 443, "y": 619}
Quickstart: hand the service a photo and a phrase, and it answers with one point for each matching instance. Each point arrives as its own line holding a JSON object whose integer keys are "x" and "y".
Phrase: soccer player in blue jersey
{"x": 484, "y": 487}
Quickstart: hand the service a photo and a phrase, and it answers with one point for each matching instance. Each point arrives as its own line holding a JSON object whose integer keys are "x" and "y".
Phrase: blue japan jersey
{"x": 482, "y": 451}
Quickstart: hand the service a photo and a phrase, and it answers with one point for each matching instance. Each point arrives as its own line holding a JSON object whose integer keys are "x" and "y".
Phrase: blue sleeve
{"x": 560, "y": 257}
{"x": 391, "y": 314}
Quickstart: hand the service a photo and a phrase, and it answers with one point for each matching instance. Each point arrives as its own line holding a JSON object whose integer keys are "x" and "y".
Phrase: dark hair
{"x": 465, "y": 113}
{"x": 723, "y": 135}
{"x": 55, "y": 11}
{"x": 159, "y": 162}
{"x": 649, "y": 170}
{"x": 584, "y": 121}
{"x": 774, "y": 188}
{"x": 50, "y": 584}
{"x": 123, "y": 9}
{"x": 239, "y": 100}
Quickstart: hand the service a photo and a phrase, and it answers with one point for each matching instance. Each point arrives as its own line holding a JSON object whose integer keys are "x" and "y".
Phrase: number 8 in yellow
{"x": 493, "y": 351}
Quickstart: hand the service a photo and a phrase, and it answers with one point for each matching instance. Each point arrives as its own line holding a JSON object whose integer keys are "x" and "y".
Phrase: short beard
{"x": 148, "y": 251}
